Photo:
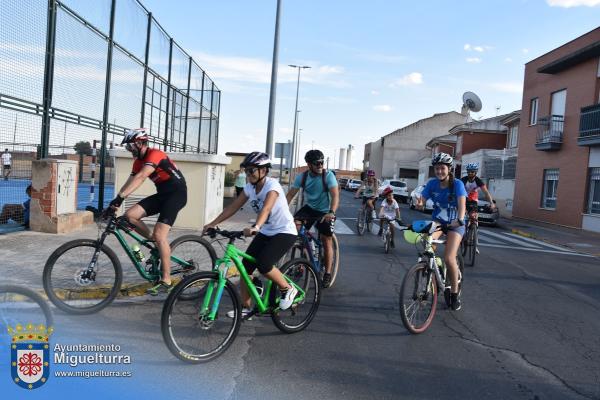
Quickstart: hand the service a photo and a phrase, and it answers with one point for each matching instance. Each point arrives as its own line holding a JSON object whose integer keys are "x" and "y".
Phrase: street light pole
{"x": 295, "y": 132}
{"x": 269, "y": 146}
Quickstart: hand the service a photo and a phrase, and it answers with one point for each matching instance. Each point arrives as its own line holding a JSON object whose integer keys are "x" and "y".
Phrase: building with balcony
{"x": 558, "y": 168}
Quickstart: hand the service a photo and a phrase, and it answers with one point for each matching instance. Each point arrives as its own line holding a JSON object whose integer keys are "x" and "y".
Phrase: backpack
{"x": 323, "y": 177}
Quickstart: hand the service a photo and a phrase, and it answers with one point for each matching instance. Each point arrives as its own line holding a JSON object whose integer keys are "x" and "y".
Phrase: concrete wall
{"x": 581, "y": 83}
{"x": 404, "y": 147}
{"x": 204, "y": 175}
{"x": 591, "y": 222}
{"x": 502, "y": 191}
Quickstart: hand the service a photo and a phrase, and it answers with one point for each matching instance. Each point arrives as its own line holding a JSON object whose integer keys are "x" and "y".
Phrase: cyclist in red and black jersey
{"x": 472, "y": 185}
{"x": 170, "y": 198}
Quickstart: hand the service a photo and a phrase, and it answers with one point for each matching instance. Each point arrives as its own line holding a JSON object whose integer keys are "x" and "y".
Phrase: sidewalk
{"x": 23, "y": 254}
{"x": 575, "y": 239}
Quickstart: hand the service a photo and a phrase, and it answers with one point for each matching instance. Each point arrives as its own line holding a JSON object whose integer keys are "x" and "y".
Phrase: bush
{"x": 229, "y": 179}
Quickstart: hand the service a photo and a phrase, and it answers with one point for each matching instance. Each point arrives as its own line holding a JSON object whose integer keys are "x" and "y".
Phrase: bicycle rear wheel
{"x": 196, "y": 253}
{"x": 71, "y": 287}
{"x": 301, "y": 313}
{"x": 186, "y": 327}
{"x": 418, "y": 298}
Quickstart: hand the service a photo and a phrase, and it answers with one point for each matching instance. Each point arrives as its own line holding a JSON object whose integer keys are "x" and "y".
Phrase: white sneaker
{"x": 287, "y": 298}
{"x": 476, "y": 250}
{"x": 245, "y": 312}
{"x": 373, "y": 215}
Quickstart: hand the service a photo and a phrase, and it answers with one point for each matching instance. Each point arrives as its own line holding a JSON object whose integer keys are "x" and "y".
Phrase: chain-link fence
{"x": 74, "y": 75}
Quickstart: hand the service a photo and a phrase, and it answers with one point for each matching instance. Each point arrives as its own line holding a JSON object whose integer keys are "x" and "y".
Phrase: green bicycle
{"x": 202, "y": 315}
{"x": 84, "y": 275}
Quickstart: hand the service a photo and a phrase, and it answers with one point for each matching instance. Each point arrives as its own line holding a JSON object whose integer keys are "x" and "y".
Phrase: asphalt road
{"x": 528, "y": 329}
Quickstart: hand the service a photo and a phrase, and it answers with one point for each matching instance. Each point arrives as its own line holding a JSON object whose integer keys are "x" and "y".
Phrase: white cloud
{"x": 414, "y": 78}
{"x": 382, "y": 108}
{"x": 508, "y": 59}
{"x": 258, "y": 71}
{"x": 573, "y": 3}
{"x": 479, "y": 48}
{"x": 473, "y": 60}
{"x": 525, "y": 51}
{"x": 507, "y": 87}
{"x": 375, "y": 92}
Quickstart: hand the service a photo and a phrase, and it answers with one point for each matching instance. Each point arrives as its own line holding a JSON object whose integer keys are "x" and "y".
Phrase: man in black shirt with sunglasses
{"x": 320, "y": 199}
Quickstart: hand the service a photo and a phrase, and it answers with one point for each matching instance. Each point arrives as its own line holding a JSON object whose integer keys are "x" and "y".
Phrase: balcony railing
{"x": 589, "y": 126}
{"x": 550, "y": 132}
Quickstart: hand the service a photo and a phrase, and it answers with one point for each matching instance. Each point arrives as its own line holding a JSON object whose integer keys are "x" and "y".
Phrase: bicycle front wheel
{"x": 472, "y": 240}
{"x": 73, "y": 286}
{"x": 418, "y": 298}
{"x": 188, "y": 331}
{"x": 335, "y": 264}
{"x": 360, "y": 222}
{"x": 296, "y": 318}
{"x": 195, "y": 252}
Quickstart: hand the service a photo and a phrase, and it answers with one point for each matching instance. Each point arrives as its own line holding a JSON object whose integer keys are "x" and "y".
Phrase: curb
{"x": 523, "y": 233}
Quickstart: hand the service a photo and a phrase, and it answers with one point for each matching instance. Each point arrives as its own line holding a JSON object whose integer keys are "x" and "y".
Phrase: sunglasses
{"x": 471, "y": 172}
{"x": 250, "y": 171}
{"x": 318, "y": 163}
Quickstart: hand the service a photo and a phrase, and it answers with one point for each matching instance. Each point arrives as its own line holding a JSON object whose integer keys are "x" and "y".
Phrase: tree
{"x": 83, "y": 148}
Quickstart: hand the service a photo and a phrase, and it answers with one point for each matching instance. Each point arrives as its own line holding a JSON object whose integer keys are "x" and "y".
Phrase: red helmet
{"x": 370, "y": 173}
{"x": 387, "y": 191}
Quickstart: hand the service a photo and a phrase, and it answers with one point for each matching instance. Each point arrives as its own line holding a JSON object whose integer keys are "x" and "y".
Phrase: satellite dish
{"x": 471, "y": 102}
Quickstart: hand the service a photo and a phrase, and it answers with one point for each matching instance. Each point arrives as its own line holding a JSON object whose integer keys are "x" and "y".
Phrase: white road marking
{"x": 567, "y": 253}
{"x": 538, "y": 242}
{"x": 509, "y": 239}
{"x": 341, "y": 228}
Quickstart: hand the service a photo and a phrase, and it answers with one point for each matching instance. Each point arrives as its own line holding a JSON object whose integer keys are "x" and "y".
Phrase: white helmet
{"x": 442, "y": 158}
{"x": 135, "y": 135}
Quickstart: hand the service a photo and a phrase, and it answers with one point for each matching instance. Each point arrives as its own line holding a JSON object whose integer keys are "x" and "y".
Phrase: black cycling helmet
{"x": 313, "y": 156}
{"x": 256, "y": 159}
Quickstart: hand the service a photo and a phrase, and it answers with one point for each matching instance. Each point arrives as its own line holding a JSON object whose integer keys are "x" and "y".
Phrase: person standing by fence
{"x": 6, "y": 164}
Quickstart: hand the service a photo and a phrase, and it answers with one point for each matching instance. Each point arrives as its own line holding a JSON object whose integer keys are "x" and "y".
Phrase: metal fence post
{"x": 210, "y": 139}
{"x": 146, "y": 56}
{"x": 201, "y": 111}
{"x": 48, "y": 79}
{"x": 166, "y": 141}
{"x": 187, "y": 105}
{"x": 103, "y": 152}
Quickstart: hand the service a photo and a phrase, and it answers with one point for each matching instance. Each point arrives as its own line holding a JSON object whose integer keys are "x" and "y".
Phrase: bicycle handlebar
{"x": 232, "y": 235}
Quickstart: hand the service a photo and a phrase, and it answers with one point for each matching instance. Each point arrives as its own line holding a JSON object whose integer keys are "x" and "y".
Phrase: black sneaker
{"x": 326, "y": 280}
{"x": 455, "y": 301}
{"x": 392, "y": 243}
{"x": 380, "y": 232}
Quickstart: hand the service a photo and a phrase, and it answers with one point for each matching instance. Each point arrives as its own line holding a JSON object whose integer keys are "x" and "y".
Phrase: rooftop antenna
{"x": 471, "y": 102}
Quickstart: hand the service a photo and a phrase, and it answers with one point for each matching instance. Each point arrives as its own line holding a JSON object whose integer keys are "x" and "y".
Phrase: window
{"x": 533, "y": 111}
{"x": 408, "y": 173}
{"x": 550, "y": 188}
{"x": 594, "y": 191}
{"x": 513, "y": 136}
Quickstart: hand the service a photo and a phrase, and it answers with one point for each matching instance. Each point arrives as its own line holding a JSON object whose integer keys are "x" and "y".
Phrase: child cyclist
{"x": 274, "y": 228}
{"x": 389, "y": 211}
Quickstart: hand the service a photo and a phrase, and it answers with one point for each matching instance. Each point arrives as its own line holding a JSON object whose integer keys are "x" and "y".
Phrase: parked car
{"x": 399, "y": 188}
{"x": 342, "y": 182}
{"x": 485, "y": 213}
{"x": 415, "y": 194}
{"x": 353, "y": 185}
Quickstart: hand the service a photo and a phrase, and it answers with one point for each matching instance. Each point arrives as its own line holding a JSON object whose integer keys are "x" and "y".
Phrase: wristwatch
{"x": 331, "y": 212}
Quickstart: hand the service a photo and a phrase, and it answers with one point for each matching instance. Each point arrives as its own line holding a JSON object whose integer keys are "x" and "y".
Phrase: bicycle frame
{"x": 306, "y": 238}
{"x": 120, "y": 235}
{"x": 429, "y": 252}
{"x": 233, "y": 254}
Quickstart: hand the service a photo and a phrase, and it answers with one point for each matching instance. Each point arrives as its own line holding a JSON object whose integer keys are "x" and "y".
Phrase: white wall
{"x": 502, "y": 190}
{"x": 591, "y": 222}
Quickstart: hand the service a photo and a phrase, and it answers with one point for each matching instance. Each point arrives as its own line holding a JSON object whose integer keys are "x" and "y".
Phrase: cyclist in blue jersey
{"x": 449, "y": 198}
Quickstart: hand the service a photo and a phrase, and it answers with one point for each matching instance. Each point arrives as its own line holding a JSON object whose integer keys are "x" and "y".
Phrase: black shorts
{"x": 168, "y": 204}
{"x": 310, "y": 216}
{"x": 268, "y": 250}
{"x": 471, "y": 206}
{"x": 367, "y": 198}
{"x": 7, "y": 167}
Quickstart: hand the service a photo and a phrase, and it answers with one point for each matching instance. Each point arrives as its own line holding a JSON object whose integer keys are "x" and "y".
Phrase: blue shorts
{"x": 459, "y": 229}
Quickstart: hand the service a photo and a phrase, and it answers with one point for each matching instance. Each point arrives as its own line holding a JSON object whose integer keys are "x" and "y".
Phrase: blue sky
{"x": 376, "y": 66}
